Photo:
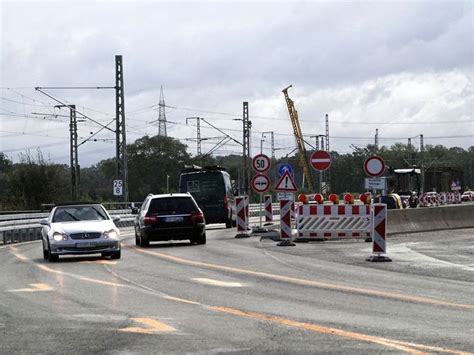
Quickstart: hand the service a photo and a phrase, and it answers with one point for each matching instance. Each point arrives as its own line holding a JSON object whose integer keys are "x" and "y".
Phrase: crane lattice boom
{"x": 299, "y": 138}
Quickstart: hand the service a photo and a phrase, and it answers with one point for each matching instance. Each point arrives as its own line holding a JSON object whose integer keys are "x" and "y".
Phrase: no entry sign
{"x": 320, "y": 160}
{"x": 260, "y": 183}
{"x": 374, "y": 166}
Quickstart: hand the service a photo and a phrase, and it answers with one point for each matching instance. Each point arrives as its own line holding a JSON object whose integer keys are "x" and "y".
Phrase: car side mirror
{"x": 44, "y": 222}
{"x": 134, "y": 210}
{"x": 115, "y": 218}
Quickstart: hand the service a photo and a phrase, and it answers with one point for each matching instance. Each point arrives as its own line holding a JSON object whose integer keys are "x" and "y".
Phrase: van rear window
{"x": 202, "y": 184}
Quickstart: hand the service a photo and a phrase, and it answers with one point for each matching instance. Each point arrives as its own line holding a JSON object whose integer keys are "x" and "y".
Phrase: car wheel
{"x": 45, "y": 252}
{"x": 143, "y": 242}
{"x": 116, "y": 255}
{"x": 52, "y": 257}
{"x": 200, "y": 239}
{"x": 228, "y": 222}
{"x": 137, "y": 238}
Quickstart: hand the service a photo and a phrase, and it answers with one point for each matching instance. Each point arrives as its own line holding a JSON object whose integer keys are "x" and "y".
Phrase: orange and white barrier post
{"x": 268, "y": 208}
{"x": 379, "y": 230}
{"x": 285, "y": 223}
{"x": 242, "y": 208}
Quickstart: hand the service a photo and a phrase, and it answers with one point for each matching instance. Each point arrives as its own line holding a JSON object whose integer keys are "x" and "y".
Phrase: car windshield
{"x": 79, "y": 213}
{"x": 171, "y": 205}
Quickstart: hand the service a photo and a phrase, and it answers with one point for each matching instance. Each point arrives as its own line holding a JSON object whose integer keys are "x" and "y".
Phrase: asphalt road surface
{"x": 242, "y": 296}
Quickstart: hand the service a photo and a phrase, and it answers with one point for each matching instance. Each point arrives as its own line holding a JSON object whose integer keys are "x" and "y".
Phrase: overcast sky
{"x": 403, "y": 67}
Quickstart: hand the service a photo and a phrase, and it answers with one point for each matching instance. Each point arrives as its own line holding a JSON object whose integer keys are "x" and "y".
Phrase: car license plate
{"x": 174, "y": 219}
{"x": 86, "y": 245}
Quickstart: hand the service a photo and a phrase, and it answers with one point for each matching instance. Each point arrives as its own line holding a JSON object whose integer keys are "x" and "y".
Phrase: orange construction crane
{"x": 299, "y": 138}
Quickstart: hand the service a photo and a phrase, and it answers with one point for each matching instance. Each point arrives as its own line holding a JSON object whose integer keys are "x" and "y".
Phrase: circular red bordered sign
{"x": 320, "y": 160}
{"x": 260, "y": 183}
{"x": 261, "y": 163}
{"x": 374, "y": 166}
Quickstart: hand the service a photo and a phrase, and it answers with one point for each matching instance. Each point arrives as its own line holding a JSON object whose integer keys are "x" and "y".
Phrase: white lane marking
{"x": 404, "y": 253}
{"x": 217, "y": 282}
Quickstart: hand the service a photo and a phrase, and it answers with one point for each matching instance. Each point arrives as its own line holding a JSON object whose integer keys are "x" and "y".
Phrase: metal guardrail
{"x": 17, "y": 228}
{"x": 23, "y": 227}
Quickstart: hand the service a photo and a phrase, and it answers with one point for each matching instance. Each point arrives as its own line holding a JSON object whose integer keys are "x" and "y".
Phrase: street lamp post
{"x": 167, "y": 183}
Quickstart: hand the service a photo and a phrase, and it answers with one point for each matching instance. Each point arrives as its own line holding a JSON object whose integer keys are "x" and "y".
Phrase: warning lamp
{"x": 334, "y": 198}
{"x": 348, "y": 199}
{"x": 365, "y": 198}
{"x": 319, "y": 198}
{"x": 303, "y": 198}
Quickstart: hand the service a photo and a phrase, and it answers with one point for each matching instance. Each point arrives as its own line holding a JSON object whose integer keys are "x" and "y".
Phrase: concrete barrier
{"x": 415, "y": 220}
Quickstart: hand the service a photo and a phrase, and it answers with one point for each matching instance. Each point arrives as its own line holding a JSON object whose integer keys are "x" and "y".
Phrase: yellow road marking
{"x": 21, "y": 257}
{"x": 217, "y": 282}
{"x": 101, "y": 282}
{"x": 411, "y": 348}
{"x": 102, "y": 262}
{"x": 48, "y": 269}
{"x": 152, "y": 327}
{"x": 34, "y": 288}
{"x": 305, "y": 282}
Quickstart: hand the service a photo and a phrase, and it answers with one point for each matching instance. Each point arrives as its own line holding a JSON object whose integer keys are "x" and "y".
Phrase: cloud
{"x": 378, "y": 63}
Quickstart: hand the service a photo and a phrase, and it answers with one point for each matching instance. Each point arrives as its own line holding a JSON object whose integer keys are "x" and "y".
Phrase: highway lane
{"x": 243, "y": 296}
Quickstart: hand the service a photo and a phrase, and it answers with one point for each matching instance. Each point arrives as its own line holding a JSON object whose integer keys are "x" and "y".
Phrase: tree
{"x": 152, "y": 163}
{"x": 33, "y": 182}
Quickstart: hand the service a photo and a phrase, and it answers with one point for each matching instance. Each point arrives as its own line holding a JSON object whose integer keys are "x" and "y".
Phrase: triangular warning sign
{"x": 286, "y": 183}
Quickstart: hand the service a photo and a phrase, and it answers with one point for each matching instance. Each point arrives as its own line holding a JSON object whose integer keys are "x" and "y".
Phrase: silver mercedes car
{"x": 78, "y": 229}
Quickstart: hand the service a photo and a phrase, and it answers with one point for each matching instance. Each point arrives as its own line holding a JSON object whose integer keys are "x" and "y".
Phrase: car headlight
{"x": 111, "y": 234}
{"x": 59, "y": 236}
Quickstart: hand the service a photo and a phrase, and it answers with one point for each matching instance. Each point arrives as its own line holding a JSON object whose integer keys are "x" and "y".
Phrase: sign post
{"x": 320, "y": 160}
{"x": 261, "y": 163}
{"x": 374, "y": 166}
{"x": 286, "y": 183}
{"x": 260, "y": 183}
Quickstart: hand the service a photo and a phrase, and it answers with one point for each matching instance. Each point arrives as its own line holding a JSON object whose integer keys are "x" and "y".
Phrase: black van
{"x": 211, "y": 187}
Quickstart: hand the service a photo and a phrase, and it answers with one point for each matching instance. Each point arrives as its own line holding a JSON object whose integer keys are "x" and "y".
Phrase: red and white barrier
{"x": 457, "y": 197}
{"x": 379, "y": 229}
{"x": 316, "y": 222}
{"x": 443, "y": 200}
{"x": 286, "y": 206}
{"x": 268, "y": 208}
{"x": 242, "y": 218}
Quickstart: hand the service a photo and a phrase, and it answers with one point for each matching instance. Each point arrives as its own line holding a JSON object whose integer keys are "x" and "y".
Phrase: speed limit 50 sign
{"x": 261, "y": 163}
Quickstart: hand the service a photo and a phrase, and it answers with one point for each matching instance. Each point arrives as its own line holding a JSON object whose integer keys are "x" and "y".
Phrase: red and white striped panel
{"x": 379, "y": 229}
{"x": 333, "y": 235}
{"x": 285, "y": 219}
{"x": 242, "y": 206}
{"x": 333, "y": 221}
{"x": 268, "y": 208}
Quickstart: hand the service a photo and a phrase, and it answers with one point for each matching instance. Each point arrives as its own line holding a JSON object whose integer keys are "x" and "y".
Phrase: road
{"x": 243, "y": 296}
